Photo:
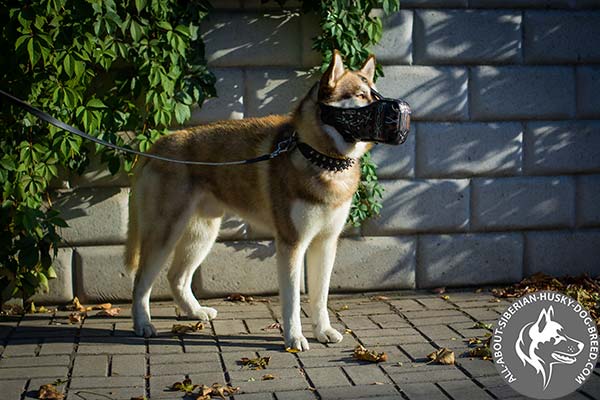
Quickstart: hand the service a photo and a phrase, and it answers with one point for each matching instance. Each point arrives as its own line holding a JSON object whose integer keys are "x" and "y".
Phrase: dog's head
{"x": 544, "y": 343}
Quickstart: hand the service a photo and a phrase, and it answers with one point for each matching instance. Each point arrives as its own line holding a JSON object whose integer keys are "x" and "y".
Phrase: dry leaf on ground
{"x": 445, "y": 297}
{"x": 443, "y": 356}
{"x": 103, "y": 306}
{"x": 380, "y": 298}
{"x": 139, "y": 398}
{"x": 482, "y": 325}
{"x": 216, "y": 390}
{"x": 360, "y": 353}
{"x": 480, "y": 347}
{"x": 186, "y": 386}
{"x": 77, "y": 306}
{"x": 584, "y": 289}
{"x": 342, "y": 308}
{"x": 238, "y": 297}
{"x": 291, "y": 350}
{"x": 74, "y": 318}
{"x": 108, "y": 312}
{"x": 37, "y": 310}
{"x": 181, "y": 329}
{"x": 255, "y": 363}
{"x": 50, "y": 392}
{"x": 268, "y": 377}
{"x": 274, "y": 325}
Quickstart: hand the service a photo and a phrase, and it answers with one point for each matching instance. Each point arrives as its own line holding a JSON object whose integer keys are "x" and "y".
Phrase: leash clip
{"x": 284, "y": 146}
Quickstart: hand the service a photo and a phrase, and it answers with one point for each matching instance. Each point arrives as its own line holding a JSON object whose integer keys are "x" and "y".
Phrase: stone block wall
{"x": 500, "y": 177}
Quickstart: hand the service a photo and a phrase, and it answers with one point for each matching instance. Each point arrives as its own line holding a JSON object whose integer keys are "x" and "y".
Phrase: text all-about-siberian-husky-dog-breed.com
{"x": 303, "y": 196}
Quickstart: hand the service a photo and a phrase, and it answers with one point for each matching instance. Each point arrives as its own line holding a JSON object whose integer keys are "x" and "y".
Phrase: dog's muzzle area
{"x": 563, "y": 357}
{"x": 385, "y": 120}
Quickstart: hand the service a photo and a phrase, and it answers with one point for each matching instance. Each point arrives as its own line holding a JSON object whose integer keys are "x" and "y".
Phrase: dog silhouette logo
{"x": 545, "y": 345}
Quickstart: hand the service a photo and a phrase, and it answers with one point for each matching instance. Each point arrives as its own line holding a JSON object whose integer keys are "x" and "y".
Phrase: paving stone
{"x": 257, "y": 39}
{"x": 159, "y": 385}
{"x": 295, "y": 395}
{"x": 164, "y": 345}
{"x": 101, "y": 276}
{"x": 397, "y": 161}
{"x": 358, "y": 322}
{"x": 498, "y": 387}
{"x": 478, "y": 368}
{"x": 238, "y": 267}
{"x": 285, "y": 379}
{"x": 15, "y": 348}
{"x": 107, "y": 207}
{"x": 395, "y": 46}
{"x": 27, "y": 332}
{"x": 556, "y": 252}
{"x": 327, "y": 376}
{"x": 468, "y": 149}
{"x": 421, "y": 205}
{"x": 587, "y": 199}
{"x": 437, "y": 303}
{"x": 200, "y": 345}
{"x": 112, "y": 345}
{"x": 107, "y": 393}
{"x": 434, "y": 93}
{"x": 392, "y": 261}
{"x": 128, "y": 365}
{"x": 407, "y": 305}
{"x": 16, "y": 362}
{"x": 458, "y": 260}
{"x": 229, "y": 103}
{"x": 347, "y": 392}
{"x": 562, "y": 147}
{"x": 233, "y": 327}
{"x": 366, "y": 374}
{"x": 90, "y": 365}
{"x": 569, "y": 33}
{"x": 438, "y": 332}
{"x": 367, "y": 333}
{"x": 430, "y": 375}
{"x": 104, "y": 382}
{"x": 464, "y": 389}
{"x": 516, "y": 203}
{"x": 515, "y": 92}
{"x": 418, "y": 351}
{"x": 12, "y": 389}
{"x": 57, "y": 346}
{"x": 467, "y": 37}
{"x": 33, "y": 371}
{"x": 423, "y": 391}
{"x": 276, "y": 90}
{"x": 588, "y": 84}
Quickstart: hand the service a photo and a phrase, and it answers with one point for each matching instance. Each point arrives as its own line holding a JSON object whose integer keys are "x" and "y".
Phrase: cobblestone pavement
{"x": 101, "y": 359}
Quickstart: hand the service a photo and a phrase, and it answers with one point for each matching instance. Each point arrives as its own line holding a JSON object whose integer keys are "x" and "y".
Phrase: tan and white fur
{"x": 178, "y": 208}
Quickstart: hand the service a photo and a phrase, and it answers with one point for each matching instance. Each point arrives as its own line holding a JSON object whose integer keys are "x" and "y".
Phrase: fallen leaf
{"x": 478, "y": 290}
{"x": 348, "y": 331}
{"x": 255, "y": 363}
{"x": 219, "y": 390}
{"x": 181, "y": 329}
{"x": 445, "y": 297}
{"x": 50, "y": 392}
{"x": 74, "y": 318}
{"x": 268, "y": 377}
{"x": 238, "y": 297}
{"x": 291, "y": 350}
{"x": 342, "y": 308}
{"x": 360, "y": 353}
{"x": 483, "y": 352}
{"x": 77, "y": 306}
{"x": 443, "y": 356}
{"x": 103, "y": 306}
{"x": 251, "y": 380}
{"x": 377, "y": 383}
{"x": 380, "y": 298}
{"x": 440, "y": 290}
{"x": 482, "y": 325}
{"x": 139, "y": 398}
{"x": 108, "y": 312}
{"x": 495, "y": 300}
{"x": 274, "y": 325}
{"x": 473, "y": 341}
{"x": 38, "y": 310}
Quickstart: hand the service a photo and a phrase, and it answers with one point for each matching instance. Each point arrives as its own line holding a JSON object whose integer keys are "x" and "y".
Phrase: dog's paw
{"x": 328, "y": 335}
{"x": 145, "y": 330}
{"x": 204, "y": 313}
{"x": 298, "y": 342}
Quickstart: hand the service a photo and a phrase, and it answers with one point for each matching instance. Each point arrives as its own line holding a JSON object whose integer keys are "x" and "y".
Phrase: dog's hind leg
{"x": 193, "y": 246}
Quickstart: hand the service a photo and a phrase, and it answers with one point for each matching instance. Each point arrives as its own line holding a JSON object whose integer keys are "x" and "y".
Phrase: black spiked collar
{"x": 319, "y": 159}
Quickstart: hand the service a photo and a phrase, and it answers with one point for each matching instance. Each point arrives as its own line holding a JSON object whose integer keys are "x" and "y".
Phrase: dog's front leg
{"x": 289, "y": 268}
{"x": 319, "y": 264}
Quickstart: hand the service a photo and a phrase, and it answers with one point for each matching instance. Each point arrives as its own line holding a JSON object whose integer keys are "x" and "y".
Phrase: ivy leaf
{"x": 136, "y": 31}
{"x": 140, "y": 5}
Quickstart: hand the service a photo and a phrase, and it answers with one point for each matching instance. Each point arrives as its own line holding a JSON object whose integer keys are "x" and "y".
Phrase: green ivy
{"x": 100, "y": 65}
{"x": 350, "y": 27}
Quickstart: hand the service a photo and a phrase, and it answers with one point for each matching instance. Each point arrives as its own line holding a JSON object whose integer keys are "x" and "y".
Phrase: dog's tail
{"x": 132, "y": 245}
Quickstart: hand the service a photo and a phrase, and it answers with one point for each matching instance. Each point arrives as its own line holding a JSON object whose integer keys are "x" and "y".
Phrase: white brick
{"x": 520, "y": 3}
{"x": 562, "y": 252}
{"x": 229, "y": 103}
{"x": 588, "y": 87}
{"x": 561, "y": 37}
{"x": 276, "y": 90}
{"x": 433, "y": 3}
{"x": 500, "y": 93}
{"x": 468, "y": 149}
{"x": 94, "y": 215}
{"x": 396, "y": 161}
{"x": 374, "y": 263}
{"x": 98, "y": 175}
{"x": 523, "y": 202}
{"x": 470, "y": 259}
{"x": 562, "y": 147}
{"x": 434, "y": 93}
{"x": 467, "y": 37}
{"x": 257, "y": 39}
{"x": 588, "y": 200}
{"x": 395, "y": 46}
{"x": 101, "y": 275}
{"x": 309, "y": 25}
{"x": 421, "y": 205}
{"x": 61, "y": 288}
{"x": 238, "y": 267}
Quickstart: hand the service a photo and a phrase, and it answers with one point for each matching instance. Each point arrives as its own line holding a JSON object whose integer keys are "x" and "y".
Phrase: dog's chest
{"x": 310, "y": 219}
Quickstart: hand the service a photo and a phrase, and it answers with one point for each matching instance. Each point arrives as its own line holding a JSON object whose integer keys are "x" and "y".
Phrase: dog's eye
{"x": 362, "y": 96}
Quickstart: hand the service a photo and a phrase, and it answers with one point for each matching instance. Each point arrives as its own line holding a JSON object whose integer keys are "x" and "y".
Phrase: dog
{"x": 543, "y": 344}
{"x": 178, "y": 208}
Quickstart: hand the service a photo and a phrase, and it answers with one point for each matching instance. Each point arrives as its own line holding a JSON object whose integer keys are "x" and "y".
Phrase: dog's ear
{"x": 544, "y": 318}
{"x": 368, "y": 68}
{"x": 335, "y": 69}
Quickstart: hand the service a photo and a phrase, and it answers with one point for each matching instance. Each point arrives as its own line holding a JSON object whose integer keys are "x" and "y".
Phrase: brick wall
{"x": 500, "y": 177}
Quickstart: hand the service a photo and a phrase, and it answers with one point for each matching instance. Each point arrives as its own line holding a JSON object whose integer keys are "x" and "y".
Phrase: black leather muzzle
{"x": 384, "y": 121}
